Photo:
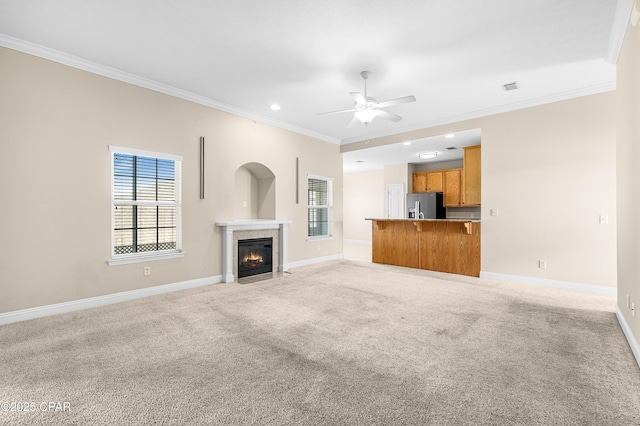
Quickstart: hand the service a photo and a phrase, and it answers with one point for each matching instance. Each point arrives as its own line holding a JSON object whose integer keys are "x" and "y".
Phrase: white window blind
{"x": 319, "y": 206}
{"x": 145, "y": 203}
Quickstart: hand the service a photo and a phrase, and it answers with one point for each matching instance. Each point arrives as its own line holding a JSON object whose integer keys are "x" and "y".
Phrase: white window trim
{"x": 320, "y": 237}
{"x": 124, "y": 259}
{"x": 329, "y": 180}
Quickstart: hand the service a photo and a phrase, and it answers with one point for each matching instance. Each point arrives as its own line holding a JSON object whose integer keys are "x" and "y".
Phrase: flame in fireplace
{"x": 252, "y": 260}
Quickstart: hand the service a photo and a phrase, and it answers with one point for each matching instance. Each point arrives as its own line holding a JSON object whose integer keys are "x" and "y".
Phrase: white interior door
{"x": 395, "y": 201}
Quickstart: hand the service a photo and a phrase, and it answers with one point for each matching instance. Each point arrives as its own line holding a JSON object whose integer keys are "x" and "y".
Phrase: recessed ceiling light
{"x": 449, "y": 136}
{"x": 406, "y": 143}
{"x": 275, "y": 107}
{"x": 427, "y": 155}
{"x": 359, "y": 161}
{"x": 510, "y": 86}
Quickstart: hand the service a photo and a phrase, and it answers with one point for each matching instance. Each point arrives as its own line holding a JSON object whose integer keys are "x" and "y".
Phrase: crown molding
{"x": 619, "y": 29}
{"x": 556, "y": 97}
{"x": 115, "y": 74}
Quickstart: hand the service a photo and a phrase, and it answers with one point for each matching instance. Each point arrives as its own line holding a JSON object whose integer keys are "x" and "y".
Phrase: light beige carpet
{"x": 343, "y": 342}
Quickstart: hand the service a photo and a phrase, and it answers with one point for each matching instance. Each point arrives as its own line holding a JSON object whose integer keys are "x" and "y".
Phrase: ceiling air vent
{"x": 451, "y": 148}
{"x": 511, "y": 86}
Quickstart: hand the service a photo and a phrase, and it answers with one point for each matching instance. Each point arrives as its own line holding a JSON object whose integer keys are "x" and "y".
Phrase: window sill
{"x": 144, "y": 257}
{"x": 320, "y": 238}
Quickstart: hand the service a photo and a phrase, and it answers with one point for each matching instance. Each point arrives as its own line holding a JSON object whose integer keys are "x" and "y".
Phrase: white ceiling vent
{"x": 511, "y": 86}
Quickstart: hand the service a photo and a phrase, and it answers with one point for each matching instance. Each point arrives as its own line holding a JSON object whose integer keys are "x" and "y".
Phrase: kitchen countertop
{"x": 425, "y": 220}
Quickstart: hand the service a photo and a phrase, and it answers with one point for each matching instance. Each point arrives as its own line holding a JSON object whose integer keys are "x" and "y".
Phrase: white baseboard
{"x": 93, "y": 302}
{"x": 314, "y": 260}
{"x": 362, "y": 242}
{"x": 635, "y": 348}
{"x": 566, "y": 285}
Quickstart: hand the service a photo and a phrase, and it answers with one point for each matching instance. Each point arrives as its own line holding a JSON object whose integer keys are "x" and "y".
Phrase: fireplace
{"x": 255, "y": 256}
{"x": 237, "y": 230}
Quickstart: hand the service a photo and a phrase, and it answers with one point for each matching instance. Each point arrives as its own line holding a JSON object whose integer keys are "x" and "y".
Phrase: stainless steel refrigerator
{"x": 426, "y": 205}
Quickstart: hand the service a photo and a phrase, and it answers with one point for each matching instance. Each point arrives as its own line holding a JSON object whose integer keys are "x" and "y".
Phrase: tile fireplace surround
{"x": 247, "y": 229}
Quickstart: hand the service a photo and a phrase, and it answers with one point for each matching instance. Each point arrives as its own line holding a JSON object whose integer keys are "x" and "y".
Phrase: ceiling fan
{"x": 367, "y": 108}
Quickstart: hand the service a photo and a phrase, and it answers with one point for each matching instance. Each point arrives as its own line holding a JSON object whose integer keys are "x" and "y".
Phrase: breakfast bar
{"x": 443, "y": 245}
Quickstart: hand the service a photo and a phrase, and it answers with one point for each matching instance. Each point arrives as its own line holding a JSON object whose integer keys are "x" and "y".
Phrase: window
{"x": 145, "y": 205}
{"x": 319, "y": 206}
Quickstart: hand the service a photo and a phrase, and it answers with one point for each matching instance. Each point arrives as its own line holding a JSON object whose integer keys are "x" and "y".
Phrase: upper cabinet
{"x": 419, "y": 182}
{"x": 434, "y": 181}
{"x": 472, "y": 173}
{"x": 461, "y": 187}
{"x": 428, "y": 181}
{"x": 453, "y": 188}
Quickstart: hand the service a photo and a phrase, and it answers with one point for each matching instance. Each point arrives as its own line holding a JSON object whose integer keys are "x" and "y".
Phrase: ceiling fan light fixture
{"x": 427, "y": 155}
{"x": 366, "y": 116}
{"x": 367, "y": 108}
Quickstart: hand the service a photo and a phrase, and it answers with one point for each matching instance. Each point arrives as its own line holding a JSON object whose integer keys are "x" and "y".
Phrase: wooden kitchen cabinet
{"x": 472, "y": 173}
{"x": 419, "y": 182}
{"x": 461, "y": 187}
{"x": 451, "y": 246}
{"x": 428, "y": 181}
{"x": 434, "y": 181}
{"x": 453, "y": 188}
{"x": 396, "y": 242}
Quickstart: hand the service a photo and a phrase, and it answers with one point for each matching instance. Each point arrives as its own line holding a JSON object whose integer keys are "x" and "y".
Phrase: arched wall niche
{"x": 255, "y": 192}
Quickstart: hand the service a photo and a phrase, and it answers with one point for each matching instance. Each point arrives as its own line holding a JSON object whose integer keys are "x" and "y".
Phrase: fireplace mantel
{"x": 228, "y": 228}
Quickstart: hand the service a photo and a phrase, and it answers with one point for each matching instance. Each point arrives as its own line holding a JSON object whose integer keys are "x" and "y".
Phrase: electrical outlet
{"x": 542, "y": 264}
{"x": 493, "y": 212}
{"x": 147, "y": 270}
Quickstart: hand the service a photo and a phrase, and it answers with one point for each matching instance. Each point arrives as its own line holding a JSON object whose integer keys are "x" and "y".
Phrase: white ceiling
{"x": 306, "y": 55}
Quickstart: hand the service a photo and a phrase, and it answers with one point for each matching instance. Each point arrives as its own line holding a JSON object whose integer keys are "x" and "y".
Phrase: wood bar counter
{"x": 443, "y": 245}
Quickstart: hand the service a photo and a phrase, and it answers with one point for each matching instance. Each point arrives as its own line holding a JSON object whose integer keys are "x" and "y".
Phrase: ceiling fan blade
{"x": 397, "y": 101}
{"x": 353, "y": 122}
{"x": 336, "y": 112}
{"x": 389, "y": 116}
{"x": 358, "y": 97}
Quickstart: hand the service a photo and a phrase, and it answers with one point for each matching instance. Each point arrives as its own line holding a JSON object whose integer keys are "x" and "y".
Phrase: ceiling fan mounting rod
{"x": 365, "y": 76}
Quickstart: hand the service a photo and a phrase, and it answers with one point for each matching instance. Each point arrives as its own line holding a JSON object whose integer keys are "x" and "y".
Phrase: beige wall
{"x": 245, "y": 195}
{"x": 550, "y": 172}
{"x": 441, "y": 165}
{"x": 56, "y": 124}
{"x": 254, "y": 193}
{"x": 628, "y": 89}
{"x": 363, "y": 198}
